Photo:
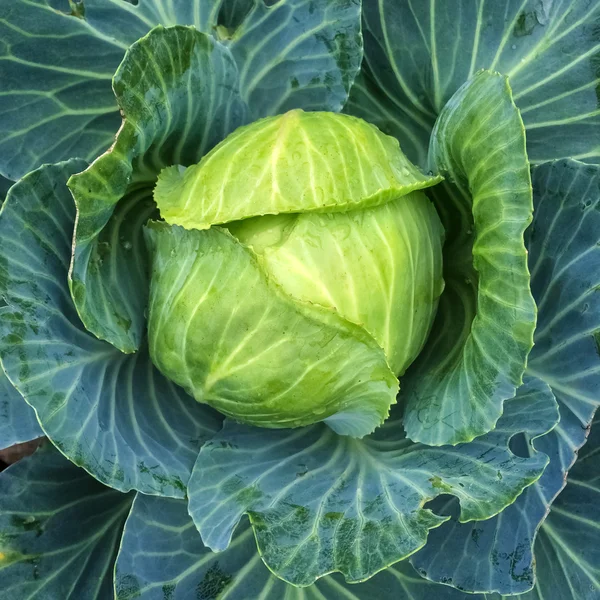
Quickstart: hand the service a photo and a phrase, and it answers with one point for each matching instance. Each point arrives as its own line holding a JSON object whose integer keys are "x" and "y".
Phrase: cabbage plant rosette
{"x": 478, "y": 416}
{"x": 290, "y": 277}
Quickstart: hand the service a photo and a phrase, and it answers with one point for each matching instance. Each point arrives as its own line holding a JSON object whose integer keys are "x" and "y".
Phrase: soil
{"x": 12, "y": 454}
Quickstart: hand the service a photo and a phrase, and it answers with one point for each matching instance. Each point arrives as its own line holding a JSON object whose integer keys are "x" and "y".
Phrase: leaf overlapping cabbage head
{"x": 303, "y": 284}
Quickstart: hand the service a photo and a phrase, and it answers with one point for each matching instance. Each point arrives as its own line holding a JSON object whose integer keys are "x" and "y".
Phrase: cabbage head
{"x": 297, "y": 272}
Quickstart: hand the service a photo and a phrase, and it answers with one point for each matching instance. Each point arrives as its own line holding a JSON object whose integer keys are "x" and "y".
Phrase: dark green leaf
{"x": 181, "y": 566}
{"x": 55, "y": 96}
{"x": 320, "y": 502}
{"x": 564, "y": 250}
{"x": 162, "y": 558}
{"x": 111, "y": 413}
{"x": 4, "y": 187}
{"x": 417, "y": 54}
{"x": 567, "y": 554}
{"x": 178, "y": 91}
{"x": 564, "y": 258}
{"x": 567, "y": 551}
{"x": 371, "y": 103}
{"x": 18, "y": 422}
{"x": 497, "y": 554}
{"x": 297, "y": 54}
{"x": 56, "y": 64}
{"x": 290, "y": 53}
{"x": 59, "y": 530}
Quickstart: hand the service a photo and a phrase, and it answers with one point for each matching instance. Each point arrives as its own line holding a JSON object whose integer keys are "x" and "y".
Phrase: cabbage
{"x": 299, "y": 299}
{"x": 319, "y": 287}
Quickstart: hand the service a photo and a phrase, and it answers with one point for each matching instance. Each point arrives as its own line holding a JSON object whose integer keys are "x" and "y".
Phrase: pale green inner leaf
{"x": 296, "y": 162}
{"x": 379, "y": 267}
{"x": 226, "y": 333}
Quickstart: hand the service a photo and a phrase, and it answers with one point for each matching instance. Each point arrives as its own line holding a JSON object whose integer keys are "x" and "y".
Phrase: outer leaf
{"x": 113, "y": 414}
{"x": 182, "y": 566}
{"x": 59, "y": 529}
{"x": 129, "y": 21}
{"x": 291, "y": 53}
{"x": 18, "y": 422}
{"x": 321, "y": 503}
{"x": 147, "y": 571}
{"x": 297, "y": 162}
{"x": 565, "y": 268}
{"x": 162, "y": 556}
{"x": 563, "y": 255}
{"x": 567, "y": 551}
{"x": 232, "y": 14}
{"x": 222, "y": 329}
{"x": 498, "y": 554}
{"x": 373, "y": 104}
{"x": 178, "y": 91}
{"x": 417, "y": 54}
{"x": 56, "y": 103}
{"x": 476, "y": 355}
{"x": 5, "y": 185}
{"x": 298, "y": 54}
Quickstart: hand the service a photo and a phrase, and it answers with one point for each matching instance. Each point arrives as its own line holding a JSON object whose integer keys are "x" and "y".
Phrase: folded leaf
{"x": 296, "y": 162}
{"x": 379, "y": 267}
{"x": 477, "y": 352}
{"x": 178, "y": 91}
{"x": 566, "y": 197}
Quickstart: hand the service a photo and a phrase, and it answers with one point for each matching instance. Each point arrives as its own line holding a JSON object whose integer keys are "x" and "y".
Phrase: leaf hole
{"x": 444, "y": 505}
{"x": 519, "y": 445}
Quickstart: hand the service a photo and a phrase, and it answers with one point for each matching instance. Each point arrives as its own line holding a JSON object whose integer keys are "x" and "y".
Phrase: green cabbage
{"x": 307, "y": 277}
